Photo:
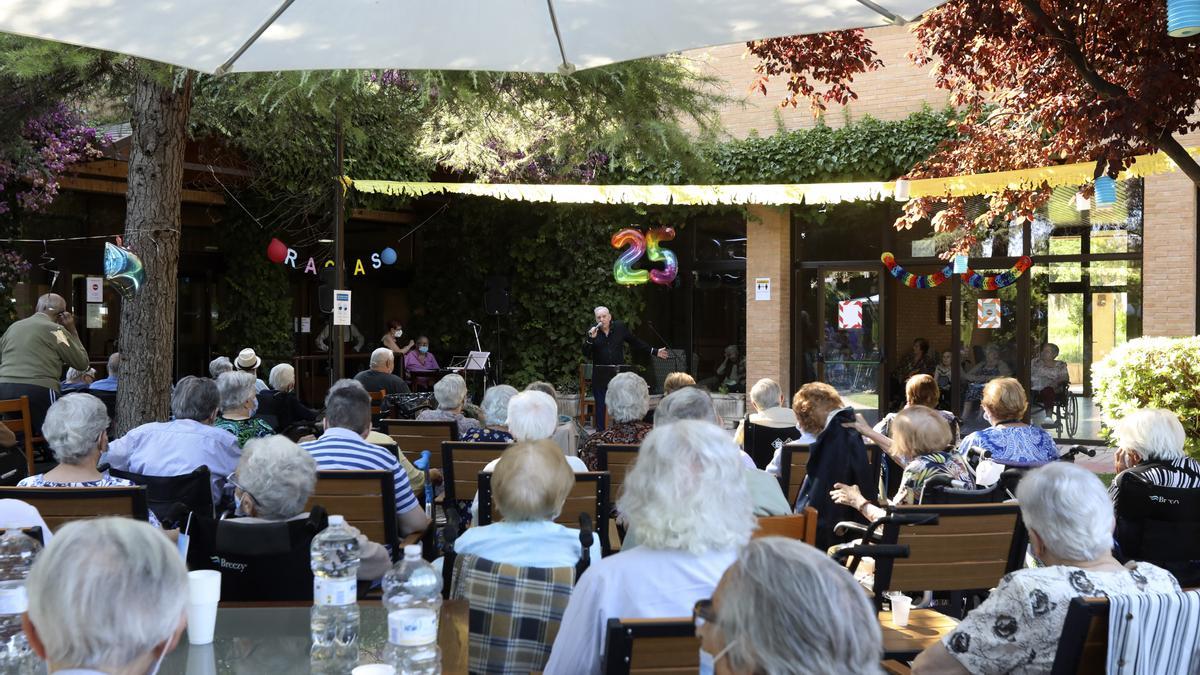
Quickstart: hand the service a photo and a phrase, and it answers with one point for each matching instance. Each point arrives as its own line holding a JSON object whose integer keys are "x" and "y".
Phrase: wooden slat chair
{"x": 590, "y": 495}
{"x": 587, "y": 404}
{"x": 952, "y": 548}
{"x": 802, "y": 526}
{"x": 616, "y": 459}
{"x": 658, "y": 646}
{"x": 366, "y": 499}
{"x": 413, "y": 436}
{"x": 62, "y": 505}
{"x": 16, "y": 417}
{"x": 462, "y": 463}
{"x": 1083, "y": 647}
{"x": 793, "y": 467}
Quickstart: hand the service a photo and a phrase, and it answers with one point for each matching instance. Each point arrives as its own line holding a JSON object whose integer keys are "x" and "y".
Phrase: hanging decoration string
{"x": 986, "y": 282}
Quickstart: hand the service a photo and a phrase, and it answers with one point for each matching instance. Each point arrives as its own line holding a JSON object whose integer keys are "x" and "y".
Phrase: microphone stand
{"x": 479, "y": 347}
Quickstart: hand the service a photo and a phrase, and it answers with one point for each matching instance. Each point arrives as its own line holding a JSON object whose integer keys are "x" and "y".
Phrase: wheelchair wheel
{"x": 1071, "y": 415}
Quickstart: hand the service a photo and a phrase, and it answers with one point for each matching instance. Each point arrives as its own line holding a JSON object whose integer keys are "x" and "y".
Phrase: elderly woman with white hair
{"x": 280, "y": 405}
{"x": 686, "y": 498}
{"x": 761, "y": 617}
{"x": 495, "y": 411}
{"x": 273, "y": 482}
{"x": 76, "y": 428}
{"x": 451, "y": 395}
{"x": 74, "y": 622}
{"x": 1070, "y": 522}
{"x": 628, "y": 398}
{"x": 239, "y": 407}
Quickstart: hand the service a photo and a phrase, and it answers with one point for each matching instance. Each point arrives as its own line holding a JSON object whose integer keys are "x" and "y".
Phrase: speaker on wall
{"x": 495, "y": 296}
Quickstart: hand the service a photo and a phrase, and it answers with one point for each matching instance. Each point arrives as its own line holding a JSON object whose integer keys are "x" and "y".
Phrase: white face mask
{"x": 397, "y": 333}
{"x": 708, "y": 662}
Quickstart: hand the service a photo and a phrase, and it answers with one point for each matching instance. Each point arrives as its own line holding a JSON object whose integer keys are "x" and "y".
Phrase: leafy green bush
{"x": 1152, "y": 372}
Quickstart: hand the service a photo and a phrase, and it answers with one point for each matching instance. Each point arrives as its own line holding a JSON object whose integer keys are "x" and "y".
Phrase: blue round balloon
{"x": 388, "y": 256}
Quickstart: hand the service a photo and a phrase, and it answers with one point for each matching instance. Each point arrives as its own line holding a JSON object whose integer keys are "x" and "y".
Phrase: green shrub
{"x": 1152, "y": 372}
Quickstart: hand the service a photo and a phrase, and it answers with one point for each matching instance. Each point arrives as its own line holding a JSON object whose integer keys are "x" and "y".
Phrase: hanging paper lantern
{"x": 1106, "y": 192}
{"x": 124, "y": 269}
{"x": 388, "y": 256}
{"x": 1183, "y": 18}
{"x": 902, "y": 189}
{"x": 276, "y": 251}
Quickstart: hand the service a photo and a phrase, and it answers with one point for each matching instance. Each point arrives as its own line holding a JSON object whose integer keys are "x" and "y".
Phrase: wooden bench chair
{"x": 645, "y": 646}
{"x": 377, "y": 402}
{"x": 16, "y": 417}
{"x": 793, "y": 467}
{"x": 62, "y": 505}
{"x": 590, "y": 495}
{"x": 366, "y": 499}
{"x": 1083, "y": 647}
{"x": 462, "y": 463}
{"x": 617, "y": 460}
{"x": 802, "y": 526}
{"x": 413, "y": 436}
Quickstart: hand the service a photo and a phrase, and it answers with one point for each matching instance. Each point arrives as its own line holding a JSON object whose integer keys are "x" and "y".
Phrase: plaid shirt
{"x": 515, "y": 612}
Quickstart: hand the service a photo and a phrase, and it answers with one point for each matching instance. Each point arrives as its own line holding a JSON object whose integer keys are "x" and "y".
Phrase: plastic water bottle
{"x": 412, "y": 596}
{"x": 17, "y": 551}
{"x": 334, "y": 618}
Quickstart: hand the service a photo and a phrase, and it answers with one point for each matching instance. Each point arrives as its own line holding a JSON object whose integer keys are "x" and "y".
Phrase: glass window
{"x": 720, "y": 239}
{"x": 851, "y": 231}
{"x": 1113, "y": 229}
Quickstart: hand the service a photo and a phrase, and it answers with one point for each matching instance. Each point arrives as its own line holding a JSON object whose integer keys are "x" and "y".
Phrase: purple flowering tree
{"x": 52, "y": 143}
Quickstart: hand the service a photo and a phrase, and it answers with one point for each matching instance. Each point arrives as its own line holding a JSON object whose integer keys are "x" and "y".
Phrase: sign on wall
{"x": 850, "y": 314}
{"x": 989, "y": 313}
{"x": 762, "y": 288}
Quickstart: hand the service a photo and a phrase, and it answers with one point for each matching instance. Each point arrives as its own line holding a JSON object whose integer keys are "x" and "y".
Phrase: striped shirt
{"x": 1180, "y": 472}
{"x": 343, "y": 450}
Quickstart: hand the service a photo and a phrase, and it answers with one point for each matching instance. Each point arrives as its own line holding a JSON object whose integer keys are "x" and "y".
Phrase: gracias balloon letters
{"x": 644, "y": 245}
{"x": 280, "y": 253}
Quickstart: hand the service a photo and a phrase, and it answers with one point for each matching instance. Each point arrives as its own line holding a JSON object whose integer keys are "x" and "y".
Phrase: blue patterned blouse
{"x": 1014, "y": 446}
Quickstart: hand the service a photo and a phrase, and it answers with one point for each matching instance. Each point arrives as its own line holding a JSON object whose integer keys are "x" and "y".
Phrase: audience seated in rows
{"x": 785, "y": 608}
{"x": 767, "y": 398}
{"x": 280, "y": 405}
{"x": 77, "y": 380}
{"x": 813, "y": 405}
{"x": 219, "y": 365}
{"x": 183, "y": 444}
{"x": 343, "y": 447}
{"x": 451, "y": 394}
{"x": 1010, "y": 441}
{"x": 109, "y": 383}
{"x": 272, "y": 484}
{"x": 919, "y": 390}
{"x": 76, "y": 429}
{"x": 380, "y": 376}
{"x": 239, "y": 405}
{"x": 922, "y": 443}
{"x": 106, "y": 596}
{"x": 495, "y": 411}
{"x": 687, "y": 500}
{"x": 991, "y": 367}
{"x": 627, "y": 400}
{"x": 1070, "y": 521}
{"x": 248, "y": 362}
{"x": 672, "y": 383}
{"x": 530, "y": 483}
{"x": 569, "y": 435}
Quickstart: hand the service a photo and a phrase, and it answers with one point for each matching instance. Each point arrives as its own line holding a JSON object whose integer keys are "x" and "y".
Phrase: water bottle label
{"x": 412, "y": 627}
{"x": 334, "y": 591}
{"x": 13, "y": 600}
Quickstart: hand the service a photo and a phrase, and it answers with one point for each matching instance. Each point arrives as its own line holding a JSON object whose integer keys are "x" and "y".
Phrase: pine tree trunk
{"x": 152, "y": 222}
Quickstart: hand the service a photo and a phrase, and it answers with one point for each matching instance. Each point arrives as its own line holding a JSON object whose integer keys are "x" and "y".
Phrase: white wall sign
{"x": 306, "y": 324}
{"x": 95, "y": 289}
{"x": 762, "y": 288}
{"x": 341, "y": 308}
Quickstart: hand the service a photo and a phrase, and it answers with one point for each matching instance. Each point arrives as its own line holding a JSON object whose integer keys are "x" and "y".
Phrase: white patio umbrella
{"x": 510, "y": 35}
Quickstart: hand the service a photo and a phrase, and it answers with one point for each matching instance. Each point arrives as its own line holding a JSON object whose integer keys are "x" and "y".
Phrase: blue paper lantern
{"x": 1106, "y": 192}
{"x": 1183, "y": 18}
{"x": 388, "y": 256}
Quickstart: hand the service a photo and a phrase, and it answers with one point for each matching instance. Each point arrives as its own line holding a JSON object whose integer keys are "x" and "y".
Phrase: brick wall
{"x": 1169, "y": 258}
{"x": 768, "y": 253}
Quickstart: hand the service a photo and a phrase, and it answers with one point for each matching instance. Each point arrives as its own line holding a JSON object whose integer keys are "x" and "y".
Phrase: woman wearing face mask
{"x": 419, "y": 364}
{"x": 1011, "y": 441}
{"x": 392, "y": 339}
{"x": 239, "y": 404}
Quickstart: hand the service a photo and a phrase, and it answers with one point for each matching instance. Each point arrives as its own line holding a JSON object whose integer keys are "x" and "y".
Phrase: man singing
{"x": 605, "y": 346}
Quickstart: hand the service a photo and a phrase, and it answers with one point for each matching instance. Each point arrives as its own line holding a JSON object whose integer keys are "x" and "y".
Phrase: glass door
{"x": 850, "y": 331}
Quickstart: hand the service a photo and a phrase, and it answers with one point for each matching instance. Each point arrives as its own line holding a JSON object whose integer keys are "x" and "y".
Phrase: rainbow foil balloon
{"x": 665, "y": 276}
{"x": 124, "y": 269}
{"x": 623, "y": 272}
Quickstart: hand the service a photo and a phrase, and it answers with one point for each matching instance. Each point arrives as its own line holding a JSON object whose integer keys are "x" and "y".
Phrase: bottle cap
{"x": 412, "y": 551}
{"x": 337, "y": 520}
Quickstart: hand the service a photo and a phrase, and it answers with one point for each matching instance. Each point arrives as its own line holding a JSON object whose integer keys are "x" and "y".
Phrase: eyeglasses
{"x": 232, "y": 479}
{"x": 702, "y": 612}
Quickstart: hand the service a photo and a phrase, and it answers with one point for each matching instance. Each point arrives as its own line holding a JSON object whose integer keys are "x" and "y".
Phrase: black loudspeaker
{"x": 495, "y": 296}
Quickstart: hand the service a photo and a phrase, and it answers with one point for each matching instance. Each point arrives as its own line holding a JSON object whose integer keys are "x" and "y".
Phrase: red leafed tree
{"x": 1040, "y": 83}
{"x": 819, "y": 67}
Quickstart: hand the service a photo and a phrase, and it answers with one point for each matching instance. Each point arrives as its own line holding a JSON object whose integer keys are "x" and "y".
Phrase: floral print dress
{"x": 245, "y": 430}
{"x": 1016, "y": 630}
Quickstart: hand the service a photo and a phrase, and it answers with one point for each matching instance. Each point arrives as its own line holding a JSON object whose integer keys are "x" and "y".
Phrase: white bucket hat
{"x": 247, "y": 360}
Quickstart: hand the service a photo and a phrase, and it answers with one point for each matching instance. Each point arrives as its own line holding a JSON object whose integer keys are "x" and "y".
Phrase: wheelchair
{"x": 1063, "y": 416}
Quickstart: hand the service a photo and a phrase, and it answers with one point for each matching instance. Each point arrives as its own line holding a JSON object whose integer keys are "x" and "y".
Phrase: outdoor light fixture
{"x": 901, "y": 192}
{"x": 324, "y": 241}
{"x": 1183, "y": 18}
{"x": 1082, "y": 203}
{"x": 1106, "y": 192}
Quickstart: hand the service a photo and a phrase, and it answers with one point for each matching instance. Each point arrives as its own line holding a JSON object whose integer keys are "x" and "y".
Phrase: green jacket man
{"x": 33, "y": 353}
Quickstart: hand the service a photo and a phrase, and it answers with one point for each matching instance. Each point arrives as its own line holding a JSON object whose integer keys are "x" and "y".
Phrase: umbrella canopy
{"x": 511, "y": 35}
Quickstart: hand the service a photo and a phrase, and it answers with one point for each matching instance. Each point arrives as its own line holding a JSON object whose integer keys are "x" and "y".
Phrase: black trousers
{"x": 40, "y": 399}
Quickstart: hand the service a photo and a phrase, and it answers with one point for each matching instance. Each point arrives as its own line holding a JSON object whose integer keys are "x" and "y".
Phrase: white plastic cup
{"x": 204, "y": 592}
{"x": 901, "y": 605}
{"x": 374, "y": 669}
{"x": 201, "y": 660}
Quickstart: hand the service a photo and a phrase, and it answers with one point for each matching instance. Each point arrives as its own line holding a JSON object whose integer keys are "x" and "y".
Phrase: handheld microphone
{"x": 472, "y": 323}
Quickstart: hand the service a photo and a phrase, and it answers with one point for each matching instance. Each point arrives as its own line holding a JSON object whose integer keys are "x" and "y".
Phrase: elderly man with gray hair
{"x": 451, "y": 395}
{"x": 1070, "y": 522}
{"x": 379, "y": 376}
{"x": 343, "y": 448}
{"x": 769, "y": 411}
{"x": 109, "y": 383}
{"x": 183, "y": 444}
{"x": 219, "y": 365}
{"x": 33, "y": 352}
{"x": 107, "y": 595}
{"x": 280, "y": 406}
{"x": 604, "y": 344}
{"x": 628, "y": 401}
